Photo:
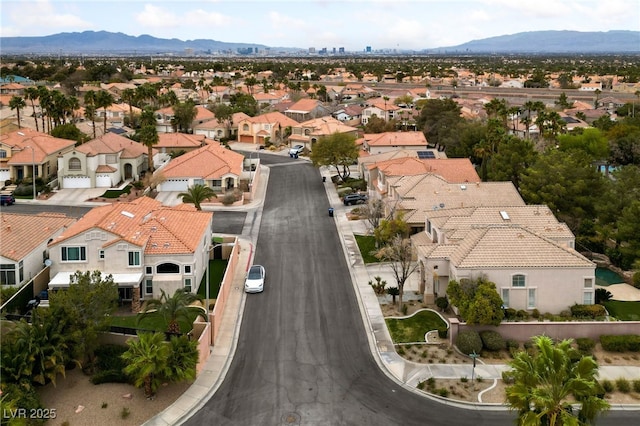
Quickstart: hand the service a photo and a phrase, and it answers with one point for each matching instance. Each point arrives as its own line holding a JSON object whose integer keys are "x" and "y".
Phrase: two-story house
{"x": 378, "y": 143}
{"x": 272, "y": 126}
{"x": 24, "y": 238}
{"x": 381, "y": 108}
{"x": 306, "y": 109}
{"x": 145, "y": 246}
{"x": 26, "y": 153}
{"x": 309, "y": 132}
{"x": 524, "y": 250}
{"x": 103, "y": 162}
{"x": 220, "y": 129}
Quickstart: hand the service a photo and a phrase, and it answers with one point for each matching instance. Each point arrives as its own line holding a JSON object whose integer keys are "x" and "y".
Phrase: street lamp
{"x": 33, "y": 171}
{"x": 209, "y": 250}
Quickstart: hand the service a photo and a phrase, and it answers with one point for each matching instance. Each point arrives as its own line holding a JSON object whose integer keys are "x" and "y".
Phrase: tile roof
{"x": 325, "y": 126}
{"x": 273, "y": 118}
{"x": 304, "y": 105}
{"x": 513, "y": 247}
{"x": 111, "y": 143}
{"x": 396, "y": 139}
{"x": 209, "y": 162}
{"x": 42, "y": 144}
{"x": 451, "y": 169}
{"x": 22, "y": 233}
{"x": 179, "y": 140}
{"x": 145, "y": 222}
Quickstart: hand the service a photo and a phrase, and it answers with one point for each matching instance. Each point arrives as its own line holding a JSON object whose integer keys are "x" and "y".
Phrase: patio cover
{"x": 62, "y": 279}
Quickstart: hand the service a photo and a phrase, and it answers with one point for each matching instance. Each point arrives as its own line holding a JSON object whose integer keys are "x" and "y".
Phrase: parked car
{"x": 7, "y": 199}
{"x": 356, "y": 198}
{"x": 296, "y": 150}
{"x": 254, "y": 283}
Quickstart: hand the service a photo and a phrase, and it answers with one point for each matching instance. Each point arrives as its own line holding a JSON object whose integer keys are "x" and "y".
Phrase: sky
{"x": 352, "y": 24}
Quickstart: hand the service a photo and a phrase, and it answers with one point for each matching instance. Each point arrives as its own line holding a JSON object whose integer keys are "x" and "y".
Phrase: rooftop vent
{"x": 127, "y": 214}
{"x": 505, "y": 215}
{"x": 463, "y": 187}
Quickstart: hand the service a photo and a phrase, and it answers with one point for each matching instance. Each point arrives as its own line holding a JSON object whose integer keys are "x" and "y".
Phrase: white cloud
{"x": 156, "y": 17}
{"x": 279, "y": 20}
{"x": 42, "y": 19}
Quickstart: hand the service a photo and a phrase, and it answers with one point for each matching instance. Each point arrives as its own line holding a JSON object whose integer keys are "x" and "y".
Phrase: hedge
{"x": 492, "y": 340}
{"x": 621, "y": 343}
{"x": 469, "y": 342}
{"x": 588, "y": 311}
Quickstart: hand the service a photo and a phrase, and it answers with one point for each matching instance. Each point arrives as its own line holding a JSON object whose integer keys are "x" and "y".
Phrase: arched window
{"x": 307, "y": 132}
{"x": 245, "y": 127}
{"x": 168, "y": 268}
{"x": 75, "y": 164}
{"x": 518, "y": 280}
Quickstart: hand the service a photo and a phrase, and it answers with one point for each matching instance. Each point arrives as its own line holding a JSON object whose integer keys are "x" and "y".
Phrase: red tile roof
{"x": 209, "y": 162}
{"x": 21, "y": 234}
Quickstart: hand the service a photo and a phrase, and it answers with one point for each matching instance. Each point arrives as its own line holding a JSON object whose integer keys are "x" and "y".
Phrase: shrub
{"x": 522, "y": 315}
{"x": 492, "y": 340}
{"x": 623, "y": 385}
{"x": 443, "y": 332}
{"x": 442, "y": 303}
{"x": 636, "y": 385}
{"x": 109, "y": 376}
{"x": 344, "y": 191}
{"x": 636, "y": 279}
{"x": 621, "y": 343}
{"x": 607, "y": 385}
{"x": 443, "y": 392}
{"x": 535, "y": 314}
{"x": 379, "y": 286}
{"x": 585, "y": 345}
{"x": 602, "y": 295}
{"x": 469, "y": 342}
{"x": 228, "y": 198}
{"x": 510, "y": 314}
{"x": 587, "y": 311}
{"x": 512, "y": 344}
{"x": 508, "y": 377}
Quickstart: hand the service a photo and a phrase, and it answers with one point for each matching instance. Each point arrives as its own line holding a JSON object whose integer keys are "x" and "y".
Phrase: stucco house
{"x": 145, "y": 246}
{"x": 103, "y": 162}
{"x": 220, "y": 129}
{"x": 24, "y": 150}
{"x": 309, "y": 132}
{"x": 378, "y": 143}
{"x": 306, "y": 109}
{"x": 24, "y": 237}
{"x": 177, "y": 142}
{"x": 272, "y": 126}
{"x": 524, "y": 250}
{"x": 381, "y": 108}
{"x": 212, "y": 165}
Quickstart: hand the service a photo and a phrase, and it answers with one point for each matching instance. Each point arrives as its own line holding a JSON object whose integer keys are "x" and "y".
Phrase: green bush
{"x": 508, "y": 377}
{"x": 585, "y": 345}
{"x": 228, "y": 198}
{"x": 522, "y": 315}
{"x": 492, "y": 340}
{"x": 621, "y": 343}
{"x": 510, "y": 314}
{"x": 109, "y": 376}
{"x": 607, "y": 385}
{"x": 587, "y": 311}
{"x": 512, "y": 344}
{"x": 344, "y": 191}
{"x": 636, "y": 279}
{"x": 535, "y": 314}
{"x": 443, "y": 332}
{"x": 623, "y": 385}
{"x": 442, "y": 303}
{"x": 15, "y": 396}
{"x": 469, "y": 342}
{"x": 636, "y": 385}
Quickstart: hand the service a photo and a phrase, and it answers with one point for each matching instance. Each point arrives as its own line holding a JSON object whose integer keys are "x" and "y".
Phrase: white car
{"x": 254, "y": 283}
{"x": 296, "y": 150}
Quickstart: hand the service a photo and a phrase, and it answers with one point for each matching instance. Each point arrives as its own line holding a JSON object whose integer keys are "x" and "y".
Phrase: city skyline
{"x": 352, "y": 24}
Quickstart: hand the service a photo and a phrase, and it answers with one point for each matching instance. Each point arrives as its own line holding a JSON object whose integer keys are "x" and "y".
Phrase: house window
{"x": 101, "y": 254}
{"x": 531, "y": 299}
{"x": 8, "y": 274}
{"x": 517, "y": 281}
{"x": 148, "y": 286}
{"x": 245, "y": 127}
{"x": 111, "y": 158}
{"x": 588, "y": 298}
{"x": 75, "y": 164}
{"x": 148, "y": 270}
{"x": 198, "y": 181}
{"x": 505, "y": 297}
{"x": 187, "y": 269}
{"x": 74, "y": 254}
{"x": 187, "y": 285}
{"x": 134, "y": 258}
{"x": 217, "y": 183}
{"x": 3, "y": 153}
{"x": 588, "y": 283}
{"x": 428, "y": 226}
{"x": 168, "y": 268}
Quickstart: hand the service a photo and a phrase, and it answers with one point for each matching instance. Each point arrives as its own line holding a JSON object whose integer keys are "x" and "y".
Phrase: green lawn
{"x": 624, "y": 311}
{"x": 152, "y": 321}
{"x": 413, "y": 329}
{"x": 367, "y": 245}
{"x": 217, "y": 267}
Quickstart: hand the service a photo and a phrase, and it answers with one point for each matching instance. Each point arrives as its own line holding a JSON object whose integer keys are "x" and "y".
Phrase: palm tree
{"x": 183, "y": 358}
{"x": 196, "y": 194}
{"x": 31, "y": 94}
{"x": 104, "y": 100}
{"x": 173, "y": 309}
{"x": 45, "y": 101}
{"x": 17, "y": 103}
{"x": 90, "y": 109}
{"x": 129, "y": 96}
{"x": 147, "y": 359}
{"x": 149, "y": 137}
{"x": 547, "y": 383}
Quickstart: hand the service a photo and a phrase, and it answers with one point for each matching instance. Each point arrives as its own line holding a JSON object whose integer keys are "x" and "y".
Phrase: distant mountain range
{"x": 108, "y": 43}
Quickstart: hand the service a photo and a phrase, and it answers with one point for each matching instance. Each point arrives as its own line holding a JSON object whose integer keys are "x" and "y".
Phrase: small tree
{"x": 173, "y": 309}
{"x": 550, "y": 381}
{"x": 338, "y": 150}
{"x": 442, "y": 303}
{"x": 373, "y": 211}
{"x": 147, "y": 359}
{"x": 197, "y": 194}
{"x": 388, "y": 229}
{"x": 379, "y": 286}
{"x": 400, "y": 255}
{"x": 477, "y": 301}
{"x": 393, "y": 292}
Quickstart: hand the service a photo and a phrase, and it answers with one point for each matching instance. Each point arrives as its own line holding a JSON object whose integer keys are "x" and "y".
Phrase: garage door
{"x": 75, "y": 182}
{"x": 103, "y": 181}
{"x": 175, "y": 185}
{"x": 4, "y": 176}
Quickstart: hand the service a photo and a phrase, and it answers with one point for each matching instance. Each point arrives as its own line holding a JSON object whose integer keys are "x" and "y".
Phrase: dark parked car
{"x": 351, "y": 199}
{"x": 7, "y": 199}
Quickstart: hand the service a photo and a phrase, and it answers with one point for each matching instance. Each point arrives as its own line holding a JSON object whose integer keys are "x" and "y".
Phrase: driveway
{"x": 169, "y": 198}
{"x": 75, "y": 196}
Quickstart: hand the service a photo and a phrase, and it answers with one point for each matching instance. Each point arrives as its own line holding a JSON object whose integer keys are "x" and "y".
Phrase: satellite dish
{"x": 48, "y": 262}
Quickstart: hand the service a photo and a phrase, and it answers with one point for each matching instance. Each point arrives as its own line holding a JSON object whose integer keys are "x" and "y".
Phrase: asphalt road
{"x": 302, "y": 355}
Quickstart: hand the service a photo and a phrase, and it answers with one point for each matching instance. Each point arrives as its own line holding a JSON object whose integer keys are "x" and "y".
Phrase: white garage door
{"x": 4, "y": 176}
{"x": 175, "y": 185}
{"x": 75, "y": 182}
{"x": 103, "y": 181}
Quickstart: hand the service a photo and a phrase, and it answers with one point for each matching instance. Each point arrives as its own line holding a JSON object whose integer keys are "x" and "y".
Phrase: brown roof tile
{"x": 21, "y": 234}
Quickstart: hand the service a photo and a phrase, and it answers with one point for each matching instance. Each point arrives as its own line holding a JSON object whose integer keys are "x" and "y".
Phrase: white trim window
{"x": 187, "y": 269}
{"x": 187, "y": 285}
{"x": 505, "y": 297}
{"x": 134, "y": 258}
{"x": 587, "y": 298}
{"x": 518, "y": 280}
{"x": 100, "y": 254}
{"x": 73, "y": 253}
{"x": 531, "y": 298}
{"x": 148, "y": 286}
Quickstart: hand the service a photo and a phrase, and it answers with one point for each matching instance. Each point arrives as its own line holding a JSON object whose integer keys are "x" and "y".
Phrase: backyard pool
{"x": 605, "y": 277}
